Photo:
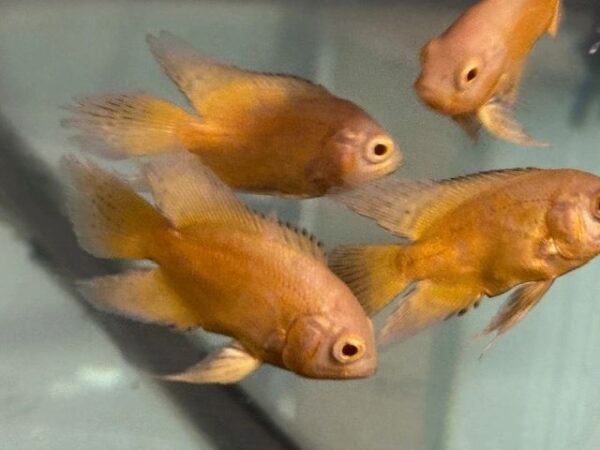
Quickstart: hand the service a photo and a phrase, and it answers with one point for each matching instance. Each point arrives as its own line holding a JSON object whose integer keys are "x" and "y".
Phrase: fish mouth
{"x": 436, "y": 100}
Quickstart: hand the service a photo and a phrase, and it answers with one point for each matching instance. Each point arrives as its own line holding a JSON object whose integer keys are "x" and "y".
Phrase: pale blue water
{"x": 70, "y": 379}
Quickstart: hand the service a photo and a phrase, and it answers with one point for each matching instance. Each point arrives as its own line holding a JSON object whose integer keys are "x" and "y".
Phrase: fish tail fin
{"x": 373, "y": 273}
{"x": 109, "y": 218}
{"x": 134, "y": 124}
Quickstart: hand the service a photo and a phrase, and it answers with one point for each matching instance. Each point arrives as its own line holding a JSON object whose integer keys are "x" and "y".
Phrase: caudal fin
{"x": 372, "y": 272}
{"x": 109, "y": 218}
{"x": 123, "y": 125}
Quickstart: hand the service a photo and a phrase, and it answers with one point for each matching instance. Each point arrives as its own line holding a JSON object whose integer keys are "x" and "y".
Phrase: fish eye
{"x": 468, "y": 74}
{"x": 379, "y": 149}
{"x": 348, "y": 349}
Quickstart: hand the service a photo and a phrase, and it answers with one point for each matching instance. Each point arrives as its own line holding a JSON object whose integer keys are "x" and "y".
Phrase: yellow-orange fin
{"x": 191, "y": 195}
{"x": 427, "y": 304}
{"x": 228, "y": 364}
{"x": 143, "y": 295}
{"x": 521, "y": 301}
{"x": 408, "y": 208}
{"x": 371, "y": 272}
{"x": 133, "y": 124}
{"x": 556, "y": 18}
{"x": 218, "y": 90}
{"x": 498, "y": 120}
{"x": 109, "y": 218}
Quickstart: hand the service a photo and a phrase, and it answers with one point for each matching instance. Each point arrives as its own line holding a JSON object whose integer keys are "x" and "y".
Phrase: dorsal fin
{"x": 217, "y": 89}
{"x": 189, "y": 194}
{"x": 408, "y": 208}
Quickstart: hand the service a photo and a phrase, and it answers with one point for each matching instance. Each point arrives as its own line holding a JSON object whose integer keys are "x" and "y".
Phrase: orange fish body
{"x": 220, "y": 268}
{"x": 264, "y": 133}
{"x": 473, "y": 70}
{"x": 474, "y": 236}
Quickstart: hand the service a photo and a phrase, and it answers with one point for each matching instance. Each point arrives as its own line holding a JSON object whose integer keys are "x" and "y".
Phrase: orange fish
{"x": 473, "y": 70}
{"x": 473, "y": 236}
{"x": 263, "y": 133}
{"x": 222, "y": 268}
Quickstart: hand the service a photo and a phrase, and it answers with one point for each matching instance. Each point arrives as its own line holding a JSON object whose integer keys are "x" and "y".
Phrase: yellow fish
{"x": 219, "y": 267}
{"x": 473, "y": 70}
{"x": 262, "y": 133}
{"x": 473, "y": 236}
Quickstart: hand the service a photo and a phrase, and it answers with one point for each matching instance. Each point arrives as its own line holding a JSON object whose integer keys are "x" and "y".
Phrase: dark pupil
{"x": 380, "y": 150}
{"x": 471, "y": 74}
{"x": 349, "y": 350}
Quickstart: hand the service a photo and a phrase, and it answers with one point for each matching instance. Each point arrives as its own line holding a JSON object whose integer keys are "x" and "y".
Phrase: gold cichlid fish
{"x": 222, "y": 268}
{"x": 473, "y": 236}
{"x": 473, "y": 70}
{"x": 262, "y": 133}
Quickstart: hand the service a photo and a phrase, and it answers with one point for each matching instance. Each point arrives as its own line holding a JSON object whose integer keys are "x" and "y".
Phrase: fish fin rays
{"x": 189, "y": 194}
{"x": 371, "y": 272}
{"x": 143, "y": 295}
{"x": 498, "y": 120}
{"x": 427, "y": 304}
{"x": 408, "y": 208}
{"x": 131, "y": 124}
{"x": 518, "y": 305}
{"x": 228, "y": 364}
{"x": 214, "y": 88}
{"x": 556, "y": 18}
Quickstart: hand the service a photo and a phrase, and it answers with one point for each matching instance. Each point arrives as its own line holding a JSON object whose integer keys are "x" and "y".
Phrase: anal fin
{"x": 227, "y": 364}
{"x": 521, "y": 301}
{"x": 142, "y": 295}
{"x": 427, "y": 304}
{"x": 497, "y": 119}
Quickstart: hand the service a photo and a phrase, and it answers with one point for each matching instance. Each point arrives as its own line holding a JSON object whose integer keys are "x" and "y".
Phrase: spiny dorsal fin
{"x": 217, "y": 89}
{"x": 188, "y": 193}
{"x": 408, "y": 208}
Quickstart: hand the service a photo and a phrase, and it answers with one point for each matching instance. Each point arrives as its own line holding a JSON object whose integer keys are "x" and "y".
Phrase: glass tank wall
{"x": 72, "y": 378}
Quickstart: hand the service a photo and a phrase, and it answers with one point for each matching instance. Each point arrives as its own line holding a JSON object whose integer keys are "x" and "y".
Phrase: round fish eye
{"x": 379, "y": 149}
{"x": 468, "y": 74}
{"x": 348, "y": 349}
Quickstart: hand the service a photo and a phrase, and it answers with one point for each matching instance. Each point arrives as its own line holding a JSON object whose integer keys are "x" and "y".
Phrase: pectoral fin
{"x": 228, "y": 364}
{"x": 521, "y": 301}
{"x": 470, "y": 123}
{"x": 424, "y": 306}
{"x": 498, "y": 120}
{"x": 555, "y": 24}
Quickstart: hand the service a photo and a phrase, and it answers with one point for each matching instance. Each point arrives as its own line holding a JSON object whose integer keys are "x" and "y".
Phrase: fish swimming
{"x": 470, "y": 237}
{"x": 219, "y": 267}
{"x": 473, "y": 70}
{"x": 261, "y": 133}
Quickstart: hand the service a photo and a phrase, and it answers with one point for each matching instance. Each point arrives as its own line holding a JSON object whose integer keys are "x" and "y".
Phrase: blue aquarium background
{"x": 72, "y": 378}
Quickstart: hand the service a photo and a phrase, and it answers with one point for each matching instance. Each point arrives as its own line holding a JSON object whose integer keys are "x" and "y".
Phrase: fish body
{"x": 472, "y": 71}
{"x": 263, "y": 133}
{"x": 475, "y": 236}
{"x": 222, "y": 268}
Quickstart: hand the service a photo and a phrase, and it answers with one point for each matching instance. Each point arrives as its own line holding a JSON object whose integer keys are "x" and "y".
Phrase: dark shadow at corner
{"x": 32, "y": 198}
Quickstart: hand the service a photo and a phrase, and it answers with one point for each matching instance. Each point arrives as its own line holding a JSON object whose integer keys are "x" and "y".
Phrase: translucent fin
{"x": 220, "y": 90}
{"x": 143, "y": 295}
{"x": 470, "y": 124}
{"x": 123, "y": 125}
{"x": 190, "y": 194}
{"x": 228, "y": 364}
{"x": 372, "y": 273}
{"x": 521, "y": 301}
{"x": 409, "y": 208}
{"x": 497, "y": 119}
{"x": 110, "y": 220}
{"x": 556, "y": 17}
{"x": 428, "y": 304}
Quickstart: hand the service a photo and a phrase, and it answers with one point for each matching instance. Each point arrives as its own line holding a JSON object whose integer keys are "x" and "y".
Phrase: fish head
{"x": 574, "y": 217}
{"x": 458, "y": 76}
{"x": 321, "y": 347}
{"x": 363, "y": 150}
